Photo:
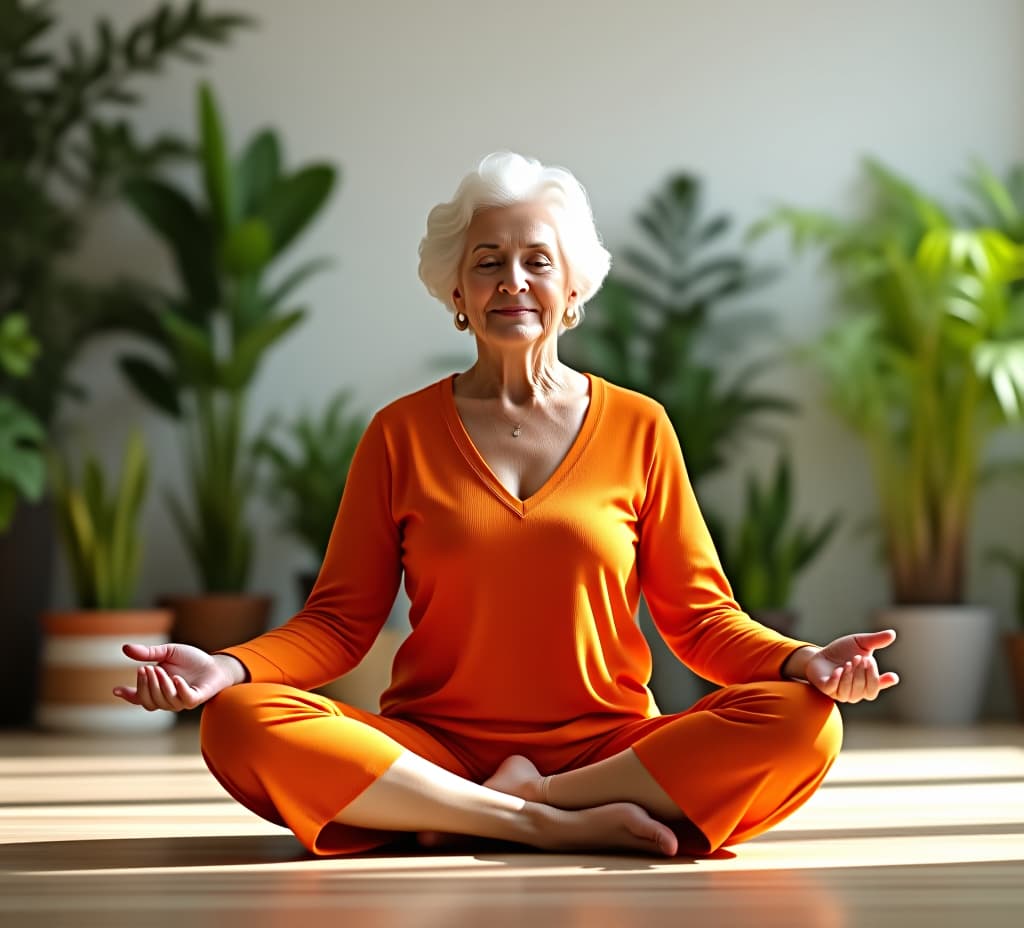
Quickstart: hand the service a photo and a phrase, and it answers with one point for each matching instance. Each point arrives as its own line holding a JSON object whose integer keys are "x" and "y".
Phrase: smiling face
{"x": 513, "y": 284}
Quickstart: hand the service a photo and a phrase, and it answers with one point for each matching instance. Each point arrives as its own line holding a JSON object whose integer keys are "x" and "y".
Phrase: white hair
{"x": 503, "y": 179}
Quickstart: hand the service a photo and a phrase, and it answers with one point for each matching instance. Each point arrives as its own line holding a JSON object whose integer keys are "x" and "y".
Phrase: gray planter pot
{"x": 943, "y": 655}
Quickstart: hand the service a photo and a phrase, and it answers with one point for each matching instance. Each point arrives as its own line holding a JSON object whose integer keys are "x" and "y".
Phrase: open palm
{"x": 846, "y": 669}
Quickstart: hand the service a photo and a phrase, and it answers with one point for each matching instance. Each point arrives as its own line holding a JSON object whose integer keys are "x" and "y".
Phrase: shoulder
{"x": 629, "y": 407}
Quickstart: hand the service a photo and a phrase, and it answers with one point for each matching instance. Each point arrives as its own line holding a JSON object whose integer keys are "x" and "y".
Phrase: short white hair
{"x": 504, "y": 179}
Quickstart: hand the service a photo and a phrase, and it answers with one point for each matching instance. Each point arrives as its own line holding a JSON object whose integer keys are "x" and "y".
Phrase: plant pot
{"x": 214, "y": 621}
{"x": 1014, "y": 642}
{"x": 943, "y": 655}
{"x": 82, "y": 662}
{"x": 27, "y": 552}
{"x": 362, "y": 686}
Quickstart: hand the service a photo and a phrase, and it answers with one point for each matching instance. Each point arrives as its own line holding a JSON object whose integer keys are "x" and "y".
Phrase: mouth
{"x": 513, "y": 310}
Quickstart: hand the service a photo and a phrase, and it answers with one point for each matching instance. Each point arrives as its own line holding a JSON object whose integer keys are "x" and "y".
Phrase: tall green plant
{"x": 215, "y": 332}
{"x": 657, "y": 327}
{"x": 65, "y": 146}
{"x": 100, "y": 529}
{"x": 926, "y": 365}
{"x": 309, "y": 466}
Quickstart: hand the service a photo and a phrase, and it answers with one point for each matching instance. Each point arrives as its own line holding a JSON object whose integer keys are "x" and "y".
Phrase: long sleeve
{"x": 681, "y": 577}
{"x": 354, "y": 591}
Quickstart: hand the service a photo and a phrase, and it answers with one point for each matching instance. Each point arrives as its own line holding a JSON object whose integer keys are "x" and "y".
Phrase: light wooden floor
{"x": 913, "y": 827}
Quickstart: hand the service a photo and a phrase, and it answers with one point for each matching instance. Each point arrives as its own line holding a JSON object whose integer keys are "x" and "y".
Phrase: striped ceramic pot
{"x": 82, "y": 662}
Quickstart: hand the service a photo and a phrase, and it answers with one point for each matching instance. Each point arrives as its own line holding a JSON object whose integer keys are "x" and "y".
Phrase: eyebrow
{"x": 476, "y": 248}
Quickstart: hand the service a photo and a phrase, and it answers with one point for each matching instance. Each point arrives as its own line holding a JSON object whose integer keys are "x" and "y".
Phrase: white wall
{"x": 768, "y": 101}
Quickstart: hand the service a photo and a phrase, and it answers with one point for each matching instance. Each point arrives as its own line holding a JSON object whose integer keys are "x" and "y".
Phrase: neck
{"x": 519, "y": 378}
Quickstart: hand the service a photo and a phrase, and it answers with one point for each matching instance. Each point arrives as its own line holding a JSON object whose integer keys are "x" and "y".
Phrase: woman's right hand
{"x": 182, "y": 678}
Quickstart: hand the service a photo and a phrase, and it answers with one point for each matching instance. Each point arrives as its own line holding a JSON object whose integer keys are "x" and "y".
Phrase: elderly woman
{"x": 528, "y": 506}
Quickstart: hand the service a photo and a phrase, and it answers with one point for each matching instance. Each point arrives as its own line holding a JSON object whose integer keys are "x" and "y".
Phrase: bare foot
{"x": 616, "y": 826}
{"x": 517, "y": 776}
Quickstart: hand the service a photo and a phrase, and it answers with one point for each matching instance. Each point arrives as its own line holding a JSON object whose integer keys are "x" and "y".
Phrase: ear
{"x": 457, "y": 296}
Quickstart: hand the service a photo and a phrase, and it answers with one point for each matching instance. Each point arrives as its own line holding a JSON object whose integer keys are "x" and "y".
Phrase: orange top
{"x": 522, "y": 611}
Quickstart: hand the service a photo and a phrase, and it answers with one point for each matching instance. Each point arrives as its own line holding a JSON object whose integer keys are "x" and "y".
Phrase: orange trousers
{"x": 736, "y": 762}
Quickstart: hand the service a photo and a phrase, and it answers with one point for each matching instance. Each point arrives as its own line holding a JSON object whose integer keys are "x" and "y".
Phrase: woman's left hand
{"x": 846, "y": 668}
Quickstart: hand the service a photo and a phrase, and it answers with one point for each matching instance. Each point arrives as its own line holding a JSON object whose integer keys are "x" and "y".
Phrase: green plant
{"x": 1015, "y": 564}
{"x": 62, "y": 149}
{"x": 22, "y": 467}
{"x": 928, "y": 363}
{"x": 765, "y": 553}
{"x": 100, "y": 530}
{"x": 215, "y": 333}
{"x": 309, "y": 468}
{"x": 651, "y": 328}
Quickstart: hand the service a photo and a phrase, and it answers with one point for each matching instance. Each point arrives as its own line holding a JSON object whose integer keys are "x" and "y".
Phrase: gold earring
{"x": 571, "y": 318}
{"x": 461, "y": 322}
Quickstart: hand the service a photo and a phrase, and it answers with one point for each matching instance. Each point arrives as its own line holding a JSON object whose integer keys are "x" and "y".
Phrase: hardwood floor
{"x": 913, "y": 827}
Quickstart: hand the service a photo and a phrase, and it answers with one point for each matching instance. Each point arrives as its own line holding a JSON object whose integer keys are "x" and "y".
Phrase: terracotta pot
{"x": 362, "y": 686}
{"x": 82, "y": 662}
{"x": 213, "y": 621}
{"x": 1015, "y": 655}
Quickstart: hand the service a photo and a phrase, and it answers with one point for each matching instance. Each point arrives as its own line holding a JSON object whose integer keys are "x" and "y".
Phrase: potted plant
{"x": 1014, "y": 639}
{"x": 308, "y": 468}
{"x": 765, "y": 552}
{"x": 82, "y": 659}
{"x": 928, "y": 363}
{"x": 65, "y": 146}
{"x": 213, "y": 336}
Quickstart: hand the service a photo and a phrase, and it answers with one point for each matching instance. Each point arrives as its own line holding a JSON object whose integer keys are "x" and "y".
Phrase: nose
{"x": 514, "y": 279}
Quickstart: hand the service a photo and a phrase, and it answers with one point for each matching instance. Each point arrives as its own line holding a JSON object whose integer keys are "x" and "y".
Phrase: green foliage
{"x": 764, "y": 555}
{"x": 652, "y": 329}
{"x": 22, "y": 467}
{"x": 309, "y": 468}
{"x": 929, "y": 360}
{"x": 64, "y": 146}
{"x": 100, "y": 529}
{"x": 212, "y": 336}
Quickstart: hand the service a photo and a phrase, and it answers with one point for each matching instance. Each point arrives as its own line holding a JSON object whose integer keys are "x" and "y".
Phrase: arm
{"x": 689, "y": 596}
{"x": 354, "y": 591}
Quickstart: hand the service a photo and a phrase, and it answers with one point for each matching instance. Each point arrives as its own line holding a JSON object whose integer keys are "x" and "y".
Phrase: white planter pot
{"x": 943, "y": 655}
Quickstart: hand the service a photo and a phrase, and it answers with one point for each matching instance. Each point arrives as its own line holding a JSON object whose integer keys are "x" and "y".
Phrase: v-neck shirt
{"x": 522, "y": 612}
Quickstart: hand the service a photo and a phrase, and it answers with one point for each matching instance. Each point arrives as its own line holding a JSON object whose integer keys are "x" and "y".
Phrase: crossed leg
{"x": 342, "y": 784}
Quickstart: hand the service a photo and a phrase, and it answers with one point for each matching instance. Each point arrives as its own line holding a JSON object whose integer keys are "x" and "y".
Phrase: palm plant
{"x": 926, "y": 365}
{"x": 63, "y": 148}
{"x": 100, "y": 530}
{"x": 652, "y": 328}
{"x": 215, "y": 333}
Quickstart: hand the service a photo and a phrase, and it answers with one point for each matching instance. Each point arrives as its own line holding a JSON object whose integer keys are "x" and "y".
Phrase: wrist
{"x": 233, "y": 669}
{"x": 795, "y": 666}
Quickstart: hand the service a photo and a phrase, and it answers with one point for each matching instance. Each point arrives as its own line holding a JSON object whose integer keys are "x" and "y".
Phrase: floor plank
{"x": 912, "y": 827}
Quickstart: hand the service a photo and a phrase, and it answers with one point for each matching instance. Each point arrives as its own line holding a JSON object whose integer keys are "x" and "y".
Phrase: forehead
{"x": 522, "y": 223}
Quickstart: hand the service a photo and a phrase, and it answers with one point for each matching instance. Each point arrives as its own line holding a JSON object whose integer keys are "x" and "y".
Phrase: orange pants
{"x": 736, "y": 762}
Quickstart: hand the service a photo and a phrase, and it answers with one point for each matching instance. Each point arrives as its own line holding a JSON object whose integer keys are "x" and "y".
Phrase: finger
{"x": 145, "y": 698}
{"x": 870, "y": 679}
{"x": 187, "y": 695}
{"x": 888, "y": 679}
{"x": 845, "y": 682}
{"x": 167, "y": 687}
{"x": 128, "y": 694}
{"x": 871, "y": 641}
{"x": 829, "y": 684}
{"x": 147, "y": 652}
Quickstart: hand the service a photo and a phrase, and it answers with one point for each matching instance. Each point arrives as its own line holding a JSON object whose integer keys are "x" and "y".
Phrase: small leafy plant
{"x": 100, "y": 528}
